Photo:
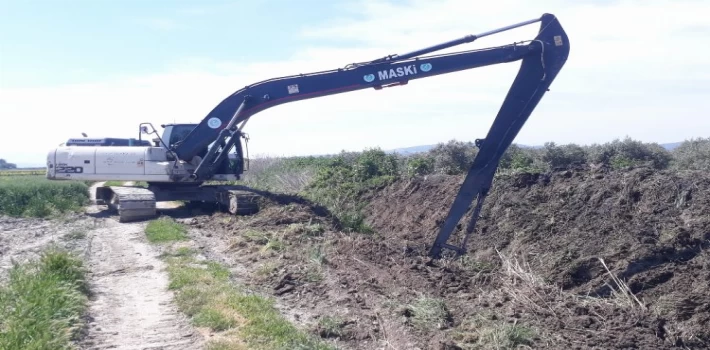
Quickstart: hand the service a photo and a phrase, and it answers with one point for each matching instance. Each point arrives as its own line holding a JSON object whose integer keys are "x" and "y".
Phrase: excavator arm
{"x": 542, "y": 59}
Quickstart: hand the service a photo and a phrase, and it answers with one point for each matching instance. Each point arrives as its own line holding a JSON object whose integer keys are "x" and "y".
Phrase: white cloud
{"x": 636, "y": 68}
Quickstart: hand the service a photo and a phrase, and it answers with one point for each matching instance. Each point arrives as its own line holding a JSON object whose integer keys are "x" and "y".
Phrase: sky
{"x": 636, "y": 68}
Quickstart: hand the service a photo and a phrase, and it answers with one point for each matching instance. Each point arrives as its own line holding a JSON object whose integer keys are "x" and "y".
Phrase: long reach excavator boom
{"x": 201, "y": 154}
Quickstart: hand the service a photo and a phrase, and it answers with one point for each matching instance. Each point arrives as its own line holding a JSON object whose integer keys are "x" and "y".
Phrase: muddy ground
{"x": 23, "y": 239}
{"x": 535, "y": 274}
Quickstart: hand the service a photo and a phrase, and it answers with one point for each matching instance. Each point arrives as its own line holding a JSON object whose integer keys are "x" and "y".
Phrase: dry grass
{"x": 535, "y": 303}
{"x": 528, "y": 288}
{"x": 621, "y": 291}
{"x": 429, "y": 313}
{"x": 278, "y": 174}
{"x": 540, "y": 300}
{"x": 486, "y": 331}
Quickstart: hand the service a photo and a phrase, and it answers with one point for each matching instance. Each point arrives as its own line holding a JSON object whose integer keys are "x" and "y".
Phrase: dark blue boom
{"x": 542, "y": 59}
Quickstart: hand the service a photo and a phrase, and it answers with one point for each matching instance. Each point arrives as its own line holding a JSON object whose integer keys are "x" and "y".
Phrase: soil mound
{"x": 569, "y": 260}
{"x": 650, "y": 228}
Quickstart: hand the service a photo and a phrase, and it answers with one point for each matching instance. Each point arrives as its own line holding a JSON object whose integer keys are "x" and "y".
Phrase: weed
{"x": 489, "y": 332}
{"x": 255, "y": 236}
{"x": 308, "y": 230}
{"x": 428, "y": 313}
{"x": 267, "y": 268}
{"x": 214, "y": 319}
{"x": 183, "y": 251}
{"x": 41, "y": 306}
{"x": 330, "y": 326}
{"x": 470, "y": 264}
{"x": 507, "y": 336}
{"x": 315, "y": 258}
{"x": 75, "y": 234}
{"x": 274, "y": 244}
{"x": 225, "y": 344}
{"x": 316, "y": 255}
{"x": 165, "y": 229}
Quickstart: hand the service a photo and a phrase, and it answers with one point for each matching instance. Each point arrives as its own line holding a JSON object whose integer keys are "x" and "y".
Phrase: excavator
{"x": 177, "y": 165}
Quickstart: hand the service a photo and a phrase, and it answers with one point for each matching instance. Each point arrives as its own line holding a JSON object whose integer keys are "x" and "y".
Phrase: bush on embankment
{"x": 339, "y": 181}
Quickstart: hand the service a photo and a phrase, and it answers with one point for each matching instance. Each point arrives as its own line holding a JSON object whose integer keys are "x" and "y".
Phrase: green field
{"x": 22, "y": 172}
{"x": 42, "y": 303}
{"x": 35, "y": 196}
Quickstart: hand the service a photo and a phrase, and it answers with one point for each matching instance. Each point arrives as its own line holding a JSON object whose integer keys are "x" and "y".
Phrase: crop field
{"x": 578, "y": 247}
{"x": 22, "y": 172}
{"x": 34, "y": 196}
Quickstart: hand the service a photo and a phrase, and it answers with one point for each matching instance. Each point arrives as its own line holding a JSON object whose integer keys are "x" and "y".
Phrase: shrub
{"x": 420, "y": 164}
{"x": 564, "y": 156}
{"x": 453, "y": 157}
{"x": 693, "y": 154}
{"x": 339, "y": 181}
{"x": 619, "y": 154}
{"x": 374, "y": 163}
{"x": 342, "y": 179}
{"x": 522, "y": 159}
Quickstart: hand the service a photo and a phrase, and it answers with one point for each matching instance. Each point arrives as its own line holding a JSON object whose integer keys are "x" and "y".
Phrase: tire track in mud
{"x": 131, "y": 307}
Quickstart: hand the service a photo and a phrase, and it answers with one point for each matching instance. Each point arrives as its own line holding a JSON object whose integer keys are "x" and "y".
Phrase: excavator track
{"x": 132, "y": 203}
{"x": 138, "y": 203}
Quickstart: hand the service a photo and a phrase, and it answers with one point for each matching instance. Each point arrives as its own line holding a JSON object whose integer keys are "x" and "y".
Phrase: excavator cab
{"x": 174, "y": 134}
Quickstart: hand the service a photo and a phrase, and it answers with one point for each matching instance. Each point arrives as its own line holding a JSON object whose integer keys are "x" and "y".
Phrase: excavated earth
{"x": 576, "y": 259}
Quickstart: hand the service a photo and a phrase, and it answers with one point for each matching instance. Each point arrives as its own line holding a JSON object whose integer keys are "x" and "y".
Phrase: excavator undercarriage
{"x": 138, "y": 203}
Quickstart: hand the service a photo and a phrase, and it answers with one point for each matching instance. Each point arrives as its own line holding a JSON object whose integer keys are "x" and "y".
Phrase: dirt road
{"x": 131, "y": 307}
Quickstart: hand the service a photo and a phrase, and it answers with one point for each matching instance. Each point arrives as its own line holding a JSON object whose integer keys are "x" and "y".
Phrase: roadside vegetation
{"x": 42, "y": 302}
{"x": 35, "y": 196}
{"x": 237, "y": 318}
{"x": 165, "y": 229}
{"x": 340, "y": 181}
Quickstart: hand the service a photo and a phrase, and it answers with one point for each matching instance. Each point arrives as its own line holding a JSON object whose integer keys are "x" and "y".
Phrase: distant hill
{"x": 671, "y": 146}
{"x": 424, "y": 148}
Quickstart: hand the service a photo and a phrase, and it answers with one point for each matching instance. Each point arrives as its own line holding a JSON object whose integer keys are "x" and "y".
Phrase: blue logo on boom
{"x": 425, "y": 67}
{"x": 369, "y": 78}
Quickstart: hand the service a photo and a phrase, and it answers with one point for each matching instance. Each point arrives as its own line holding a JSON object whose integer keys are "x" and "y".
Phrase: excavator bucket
{"x": 533, "y": 80}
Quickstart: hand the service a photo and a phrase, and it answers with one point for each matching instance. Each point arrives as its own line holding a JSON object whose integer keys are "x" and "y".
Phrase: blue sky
{"x": 50, "y": 43}
{"x": 637, "y": 68}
